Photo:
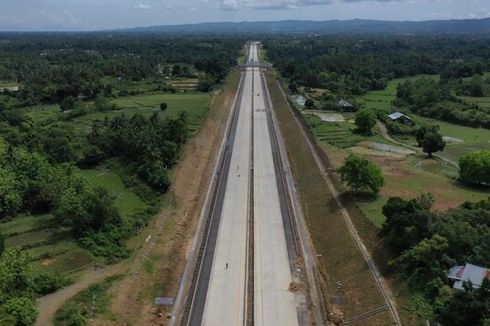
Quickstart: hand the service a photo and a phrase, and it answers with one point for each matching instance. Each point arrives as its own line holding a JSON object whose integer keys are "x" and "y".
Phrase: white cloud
{"x": 292, "y": 4}
{"x": 142, "y": 6}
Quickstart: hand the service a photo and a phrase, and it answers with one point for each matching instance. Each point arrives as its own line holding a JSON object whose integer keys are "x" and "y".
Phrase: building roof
{"x": 344, "y": 103}
{"x": 397, "y": 115}
{"x": 466, "y": 273}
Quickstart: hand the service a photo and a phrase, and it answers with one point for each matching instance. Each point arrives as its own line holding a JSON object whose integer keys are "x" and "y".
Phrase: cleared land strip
{"x": 341, "y": 259}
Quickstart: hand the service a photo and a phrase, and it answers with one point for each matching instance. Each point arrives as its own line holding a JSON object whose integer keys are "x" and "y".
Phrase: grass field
{"x": 195, "y": 104}
{"x": 412, "y": 176}
{"x": 126, "y": 201}
{"x": 382, "y": 99}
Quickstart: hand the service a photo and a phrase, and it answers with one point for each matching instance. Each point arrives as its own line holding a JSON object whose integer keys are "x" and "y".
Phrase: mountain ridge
{"x": 454, "y": 26}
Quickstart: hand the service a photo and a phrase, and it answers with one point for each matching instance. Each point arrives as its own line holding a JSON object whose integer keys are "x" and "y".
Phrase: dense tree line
{"x": 149, "y": 146}
{"x": 356, "y": 64}
{"x": 50, "y": 68}
{"x": 434, "y": 99}
{"x": 427, "y": 244}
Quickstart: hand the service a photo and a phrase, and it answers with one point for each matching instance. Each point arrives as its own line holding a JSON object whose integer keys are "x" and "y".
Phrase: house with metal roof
{"x": 346, "y": 106}
{"x": 400, "y": 117}
{"x": 466, "y": 273}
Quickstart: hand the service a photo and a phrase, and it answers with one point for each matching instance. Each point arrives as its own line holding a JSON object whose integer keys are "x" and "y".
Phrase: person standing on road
{"x": 226, "y": 267}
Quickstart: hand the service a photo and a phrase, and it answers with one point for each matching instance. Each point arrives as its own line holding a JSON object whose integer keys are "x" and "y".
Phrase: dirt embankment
{"x": 158, "y": 270}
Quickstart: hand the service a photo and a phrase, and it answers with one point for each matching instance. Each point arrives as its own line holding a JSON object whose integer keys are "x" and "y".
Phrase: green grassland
{"x": 414, "y": 176}
{"x": 195, "y": 104}
{"x": 126, "y": 201}
{"x": 382, "y": 99}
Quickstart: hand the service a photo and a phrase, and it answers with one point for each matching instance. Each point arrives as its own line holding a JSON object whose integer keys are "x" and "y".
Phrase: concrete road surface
{"x": 226, "y": 297}
{"x": 273, "y": 303}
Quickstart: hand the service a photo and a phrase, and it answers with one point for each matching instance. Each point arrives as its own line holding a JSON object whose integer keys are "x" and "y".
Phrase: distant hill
{"x": 466, "y": 26}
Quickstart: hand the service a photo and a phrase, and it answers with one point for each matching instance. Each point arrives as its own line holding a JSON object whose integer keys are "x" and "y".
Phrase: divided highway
{"x": 244, "y": 271}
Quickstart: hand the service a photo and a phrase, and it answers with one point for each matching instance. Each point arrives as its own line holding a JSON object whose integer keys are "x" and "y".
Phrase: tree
{"x": 424, "y": 262}
{"x": 23, "y": 309}
{"x": 10, "y": 195}
{"x": 474, "y": 168}
{"x": 88, "y": 210}
{"x": 177, "y": 70}
{"x": 309, "y": 104}
{"x": 293, "y": 87}
{"x": 67, "y": 104}
{"x": 205, "y": 83}
{"x": 432, "y": 142}
{"x": 365, "y": 121}
{"x": 359, "y": 173}
{"x": 2, "y": 243}
{"x": 420, "y": 134}
{"x": 407, "y": 222}
{"x": 163, "y": 106}
{"x": 470, "y": 307}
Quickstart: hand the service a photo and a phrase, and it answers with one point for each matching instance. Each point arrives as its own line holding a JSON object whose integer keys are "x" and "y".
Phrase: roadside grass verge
{"x": 339, "y": 258}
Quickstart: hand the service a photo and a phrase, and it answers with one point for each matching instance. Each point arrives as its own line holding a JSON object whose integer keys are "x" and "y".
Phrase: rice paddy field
{"x": 48, "y": 244}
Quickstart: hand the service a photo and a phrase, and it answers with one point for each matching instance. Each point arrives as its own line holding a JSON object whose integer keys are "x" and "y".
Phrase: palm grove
{"x": 39, "y": 161}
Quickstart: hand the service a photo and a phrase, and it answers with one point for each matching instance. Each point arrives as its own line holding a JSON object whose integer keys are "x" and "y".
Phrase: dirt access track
{"x": 157, "y": 264}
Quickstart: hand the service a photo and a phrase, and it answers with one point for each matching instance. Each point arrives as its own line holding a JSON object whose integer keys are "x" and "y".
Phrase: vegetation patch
{"x": 88, "y": 304}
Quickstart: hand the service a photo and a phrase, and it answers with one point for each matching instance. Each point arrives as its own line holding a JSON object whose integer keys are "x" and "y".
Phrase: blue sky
{"x": 106, "y": 14}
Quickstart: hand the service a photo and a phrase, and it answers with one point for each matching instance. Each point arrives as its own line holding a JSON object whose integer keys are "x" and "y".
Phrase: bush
{"x": 23, "y": 309}
{"x": 47, "y": 282}
{"x": 474, "y": 168}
